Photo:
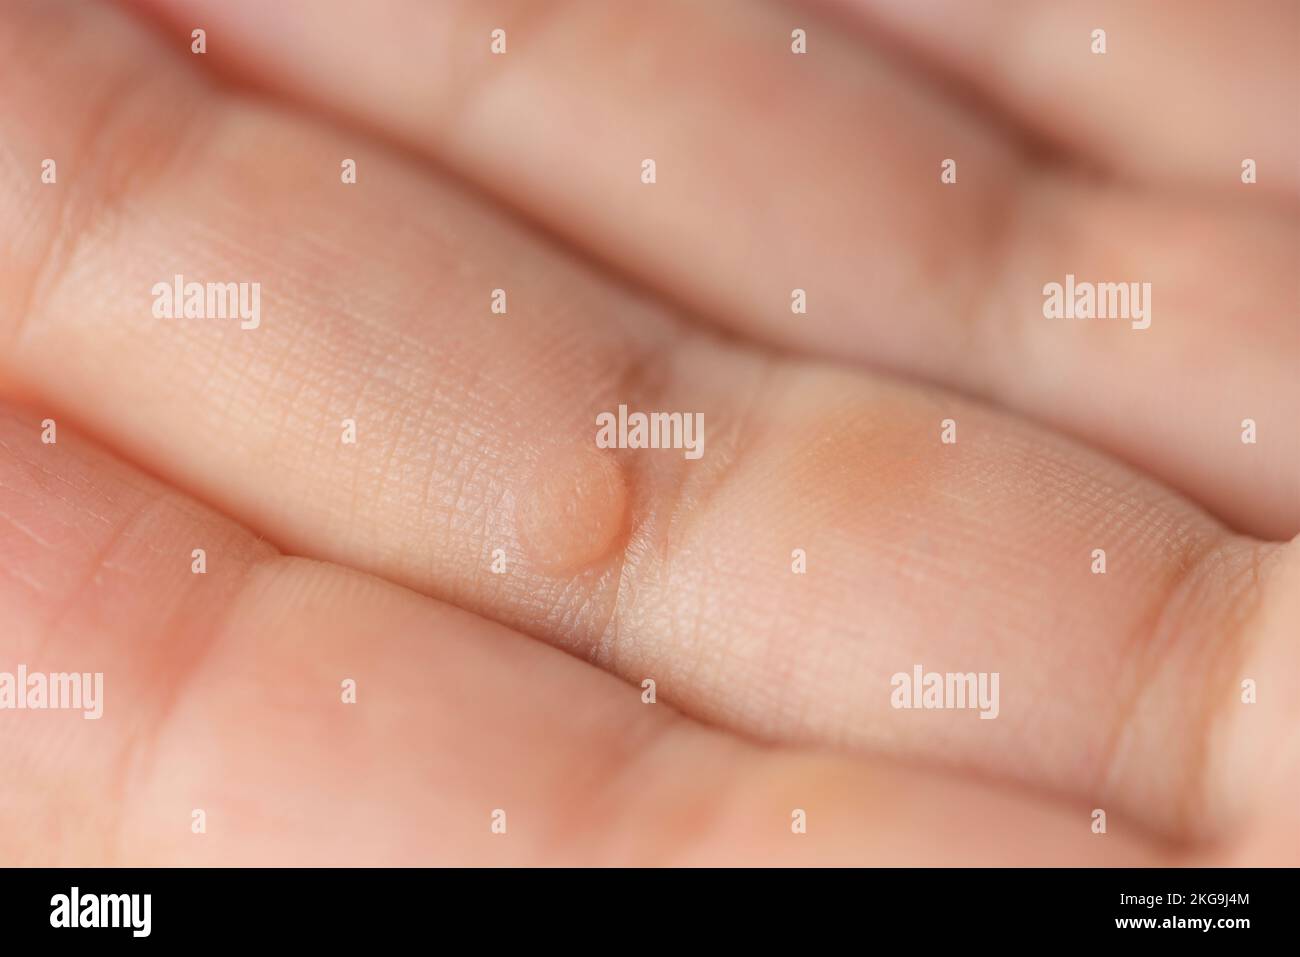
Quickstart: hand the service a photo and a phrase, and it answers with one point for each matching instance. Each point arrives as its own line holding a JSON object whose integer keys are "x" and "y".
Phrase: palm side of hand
{"x": 474, "y": 481}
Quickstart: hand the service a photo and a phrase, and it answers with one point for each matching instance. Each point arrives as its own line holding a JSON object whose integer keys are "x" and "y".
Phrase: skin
{"x": 475, "y": 434}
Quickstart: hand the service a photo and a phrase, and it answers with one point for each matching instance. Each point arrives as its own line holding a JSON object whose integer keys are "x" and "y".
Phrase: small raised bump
{"x": 573, "y": 509}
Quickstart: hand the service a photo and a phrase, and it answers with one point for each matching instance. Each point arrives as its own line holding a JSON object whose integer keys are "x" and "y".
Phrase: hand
{"x": 918, "y": 471}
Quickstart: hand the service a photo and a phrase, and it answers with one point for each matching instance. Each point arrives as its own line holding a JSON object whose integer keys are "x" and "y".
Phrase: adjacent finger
{"x": 1164, "y": 93}
{"x": 814, "y": 181}
{"x": 275, "y": 711}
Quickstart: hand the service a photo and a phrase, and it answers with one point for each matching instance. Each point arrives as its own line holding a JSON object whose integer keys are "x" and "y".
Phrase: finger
{"x": 474, "y": 475}
{"x": 898, "y": 269}
{"x": 275, "y": 711}
{"x": 1179, "y": 93}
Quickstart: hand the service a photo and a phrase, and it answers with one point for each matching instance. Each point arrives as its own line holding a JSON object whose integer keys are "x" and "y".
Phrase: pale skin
{"x": 521, "y": 691}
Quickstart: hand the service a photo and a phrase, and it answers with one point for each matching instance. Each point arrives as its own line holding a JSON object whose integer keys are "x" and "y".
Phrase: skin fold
{"x": 374, "y": 560}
